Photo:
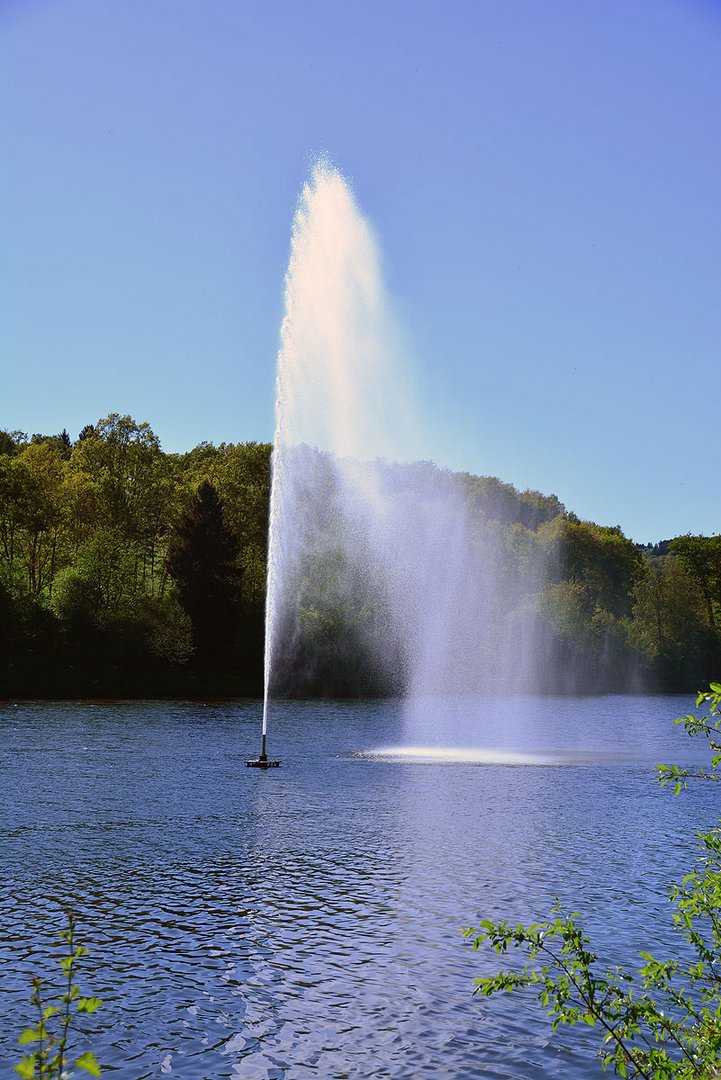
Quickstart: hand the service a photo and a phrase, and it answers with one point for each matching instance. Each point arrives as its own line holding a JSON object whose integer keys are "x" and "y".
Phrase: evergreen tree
{"x": 202, "y": 559}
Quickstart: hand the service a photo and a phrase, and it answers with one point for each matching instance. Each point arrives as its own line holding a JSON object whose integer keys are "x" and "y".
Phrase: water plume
{"x": 380, "y": 578}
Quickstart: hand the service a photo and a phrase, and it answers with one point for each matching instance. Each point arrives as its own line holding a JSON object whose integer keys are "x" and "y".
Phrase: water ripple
{"x": 308, "y": 922}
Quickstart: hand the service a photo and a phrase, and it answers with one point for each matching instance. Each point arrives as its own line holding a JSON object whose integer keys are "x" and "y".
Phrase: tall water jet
{"x": 379, "y": 578}
{"x": 333, "y": 392}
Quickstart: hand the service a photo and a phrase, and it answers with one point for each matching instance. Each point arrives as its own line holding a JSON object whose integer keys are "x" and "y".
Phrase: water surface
{"x": 306, "y": 921}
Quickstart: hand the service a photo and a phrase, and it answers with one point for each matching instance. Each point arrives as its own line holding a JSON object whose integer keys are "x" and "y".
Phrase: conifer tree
{"x": 202, "y": 559}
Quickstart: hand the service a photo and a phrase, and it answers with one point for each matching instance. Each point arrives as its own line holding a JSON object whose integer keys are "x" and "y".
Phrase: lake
{"x": 306, "y": 921}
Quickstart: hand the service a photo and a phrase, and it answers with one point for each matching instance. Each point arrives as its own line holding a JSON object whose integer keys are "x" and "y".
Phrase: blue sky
{"x": 542, "y": 178}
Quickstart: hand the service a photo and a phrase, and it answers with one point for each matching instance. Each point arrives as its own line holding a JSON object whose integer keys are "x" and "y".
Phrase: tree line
{"x": 128, "y": 571}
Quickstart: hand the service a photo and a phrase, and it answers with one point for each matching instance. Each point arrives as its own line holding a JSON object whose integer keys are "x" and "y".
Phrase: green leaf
{"x": 31, "y": 1035}
{"x": 26, "y": 1068}
{"x": 88, "y": 1063}
{"x": 89, "y": 1004}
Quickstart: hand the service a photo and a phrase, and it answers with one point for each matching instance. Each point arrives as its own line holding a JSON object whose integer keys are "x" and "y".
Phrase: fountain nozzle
{"x": 263, "y": 761}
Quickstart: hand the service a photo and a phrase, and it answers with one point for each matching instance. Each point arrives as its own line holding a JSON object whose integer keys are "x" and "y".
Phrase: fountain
{"x": 379, "y": 578}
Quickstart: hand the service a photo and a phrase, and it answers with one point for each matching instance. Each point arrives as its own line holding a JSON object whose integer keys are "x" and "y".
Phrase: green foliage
{"x": 202, "y": 559}
{"x": 241, "y": 474}
{"x": 598, "y": 557}
{"x": 89, "y": 606}
{"x": 52, "y": 1031}
{"x": 707, "y": 727}
{"x": 493, "y": 500}
{"x": 663, "y": 1020}
{"x": 86, "y": 600}
{"x": 701, "y": 556}
{"x": 11, "y": 441}
{"x": 122, "y": 457}
{"x": 667, "y": 614}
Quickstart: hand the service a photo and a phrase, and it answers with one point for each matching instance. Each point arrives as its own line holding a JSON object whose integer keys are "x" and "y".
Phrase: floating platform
{"x": 263, "y": 762}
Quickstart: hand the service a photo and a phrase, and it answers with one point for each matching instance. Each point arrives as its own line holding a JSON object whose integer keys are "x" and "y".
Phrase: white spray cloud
{"x": 372, "y": 565}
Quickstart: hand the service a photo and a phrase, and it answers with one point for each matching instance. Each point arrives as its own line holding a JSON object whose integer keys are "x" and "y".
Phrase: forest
{"x": 129, "y": 572}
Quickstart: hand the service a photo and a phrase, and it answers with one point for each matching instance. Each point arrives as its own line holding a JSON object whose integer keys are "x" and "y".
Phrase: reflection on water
{"x": 463, "y": 755}
{"x": 456, "y": 755}
{"x": 307, "y": 920}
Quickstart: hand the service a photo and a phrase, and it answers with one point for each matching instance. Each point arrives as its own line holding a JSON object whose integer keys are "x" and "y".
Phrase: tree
{"x": 664, "y": 1020}
{"x": 668, "y": 625}
{"x": 12, "y": 441}
{"x": 600, "y": 557}
{"x": 43, "y": 466}
{"x": 122, "y": 457}
{"x": 241, "y": 474}
{"x": 701, "y": 556}
{"x": 133, "y": 486}
{"x": 202, "y": 559}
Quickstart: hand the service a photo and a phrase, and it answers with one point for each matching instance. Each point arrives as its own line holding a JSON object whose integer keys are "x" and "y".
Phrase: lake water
{"x": 306, "y": 921}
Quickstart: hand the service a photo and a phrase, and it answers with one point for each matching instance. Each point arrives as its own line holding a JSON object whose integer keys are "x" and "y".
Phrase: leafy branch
{"x": 51, "y": 1033}
{"x": 707, "y": 726}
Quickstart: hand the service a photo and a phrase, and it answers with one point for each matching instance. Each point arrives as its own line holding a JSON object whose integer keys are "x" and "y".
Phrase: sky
{"x": 542, "y": 177}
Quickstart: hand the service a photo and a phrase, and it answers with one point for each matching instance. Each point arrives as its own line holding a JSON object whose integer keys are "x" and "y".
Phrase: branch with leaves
{"x": 51, "y": 1033}
{"x": 708, "y": 727}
